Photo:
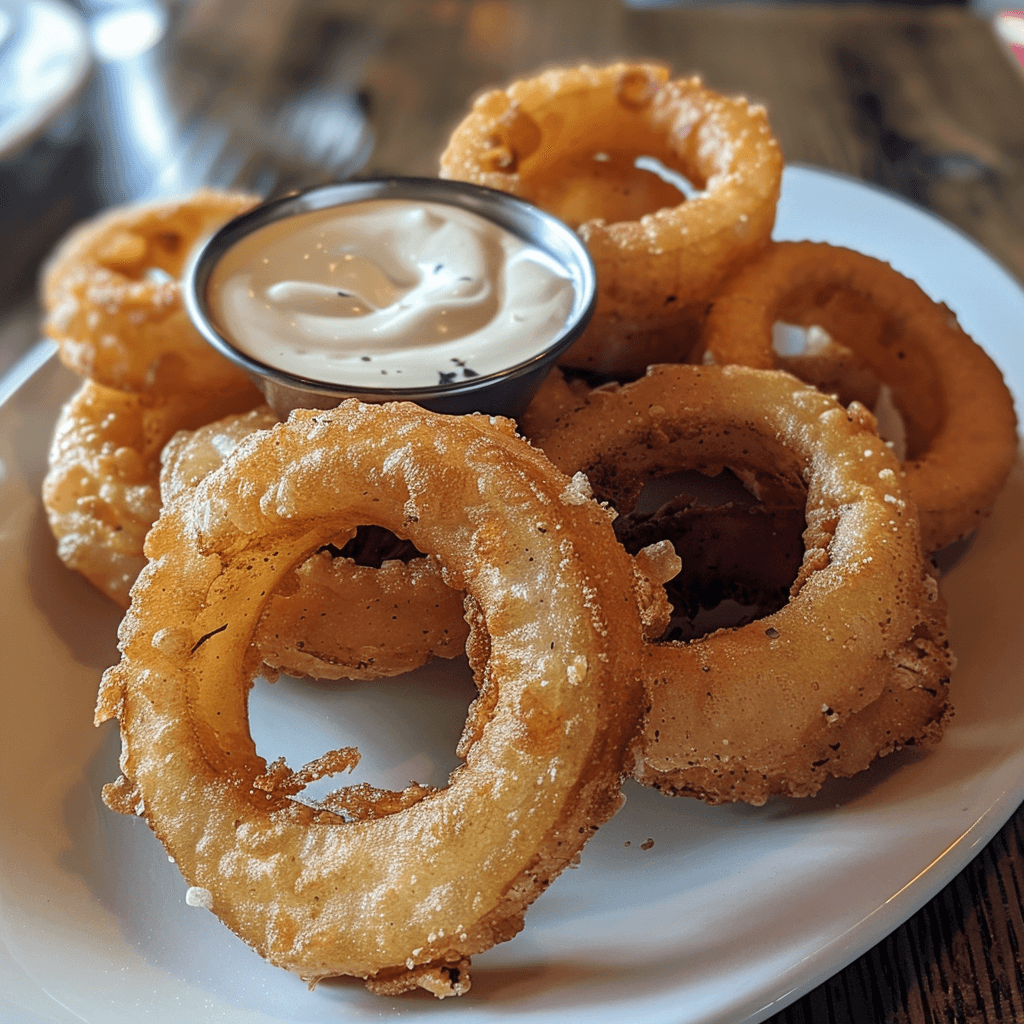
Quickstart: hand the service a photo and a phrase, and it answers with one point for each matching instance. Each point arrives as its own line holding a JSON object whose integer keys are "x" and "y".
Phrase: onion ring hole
{"x": 405, "y": 729}
{"x": 400, "y": 732}
{"x": 612, "y": 185}
{"x": 740, "y": 556}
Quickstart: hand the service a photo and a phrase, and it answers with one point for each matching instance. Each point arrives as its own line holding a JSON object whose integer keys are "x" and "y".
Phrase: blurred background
{"x": 108, "y": 101}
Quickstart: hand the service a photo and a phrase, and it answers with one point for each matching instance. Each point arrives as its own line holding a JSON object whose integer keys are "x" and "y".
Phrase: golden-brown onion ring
{"x": 101, "y": 490}
{"x": 331, "y": 618}
{"x": 958, "y": 414}
{"x": 856, "y": 664}
{"x": 568, "y": 139}
{"x": 405, "y": 898}
{"x": 114, "y": 304}
{"x": 334, "y": 619}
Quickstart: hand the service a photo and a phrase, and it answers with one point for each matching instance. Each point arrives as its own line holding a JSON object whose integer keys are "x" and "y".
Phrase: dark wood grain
{"x": 957, "y": 960}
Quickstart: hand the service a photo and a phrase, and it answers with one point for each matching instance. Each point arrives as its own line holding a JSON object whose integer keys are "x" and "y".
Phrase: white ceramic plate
{"x": 732, "y": 913}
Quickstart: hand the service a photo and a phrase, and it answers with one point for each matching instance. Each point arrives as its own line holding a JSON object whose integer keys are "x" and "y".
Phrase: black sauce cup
{"x": 506, "y": 392}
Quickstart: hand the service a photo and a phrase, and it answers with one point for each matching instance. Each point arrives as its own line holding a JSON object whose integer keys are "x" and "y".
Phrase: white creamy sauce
{"x": 389, "y": 293}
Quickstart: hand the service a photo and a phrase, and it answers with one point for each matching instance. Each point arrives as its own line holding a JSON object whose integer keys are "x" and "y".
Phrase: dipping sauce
{"x": 390, "y": 293}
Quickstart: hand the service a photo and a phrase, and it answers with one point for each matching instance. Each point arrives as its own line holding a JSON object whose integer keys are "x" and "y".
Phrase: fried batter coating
{"x": 113, "y": 302}
{"x": 856, "y": 664}
{"x": 569, "y": 140}
{"x": 556, "y": 396}
{"x": 402, "y": 899}
{"x": 332, "y": 618}
{"x": 349, "y": 621}
{"x": 101, "y": 491}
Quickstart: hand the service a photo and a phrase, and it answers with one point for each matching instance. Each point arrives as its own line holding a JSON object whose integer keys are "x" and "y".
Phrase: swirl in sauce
{"x": 389, "y": 293}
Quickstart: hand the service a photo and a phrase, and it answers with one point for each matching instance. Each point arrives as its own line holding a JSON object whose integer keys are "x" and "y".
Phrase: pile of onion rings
{"x": 257, "y": 559}
{"x": 345, "y": 614}
{"x": 331, "y": 618}
{"x": 113, "y": 304}
{"x": 568, "y": 140}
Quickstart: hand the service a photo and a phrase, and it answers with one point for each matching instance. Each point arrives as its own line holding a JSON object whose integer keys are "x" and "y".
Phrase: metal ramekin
{"x": 506, "y": 393}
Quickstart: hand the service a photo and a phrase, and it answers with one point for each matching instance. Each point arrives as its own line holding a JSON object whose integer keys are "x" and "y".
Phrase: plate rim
{"x": 878, "y": 922}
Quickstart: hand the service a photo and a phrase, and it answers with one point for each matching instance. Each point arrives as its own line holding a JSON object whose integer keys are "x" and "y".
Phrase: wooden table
{"x": 922, "y": 101}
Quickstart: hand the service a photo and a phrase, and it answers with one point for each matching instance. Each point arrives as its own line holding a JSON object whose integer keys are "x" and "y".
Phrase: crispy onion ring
{"x": 332, "y": 618}
{"x": 958, "y": 413}
{"x": 101, "y": 490}
{"x": 340, "y": 619}
{"x": 856, "y": 664}
{"x": 568, "y": 140}
{"x": 401, "y": 899}
{"x": 114, "y": 304}
{"x": 350, "y": 621}
{"x": 191, "y": 455}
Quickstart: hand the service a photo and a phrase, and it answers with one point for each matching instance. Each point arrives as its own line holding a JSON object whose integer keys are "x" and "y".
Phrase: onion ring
{"x": 401, "y": 899}
{"x": 568, "y": 140}
{"x": 832, "y": 368}
{"x": 856, "y": 664}
{"x": 349, "y": 621}
{"x": 338, "y": 619}
{"x": 333, "y": 618}
{"x": 958, "y": 413}
{"x": 114, "y": 304}
{"x": 192, "y": 455}
{"x": 101, "y": 490}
